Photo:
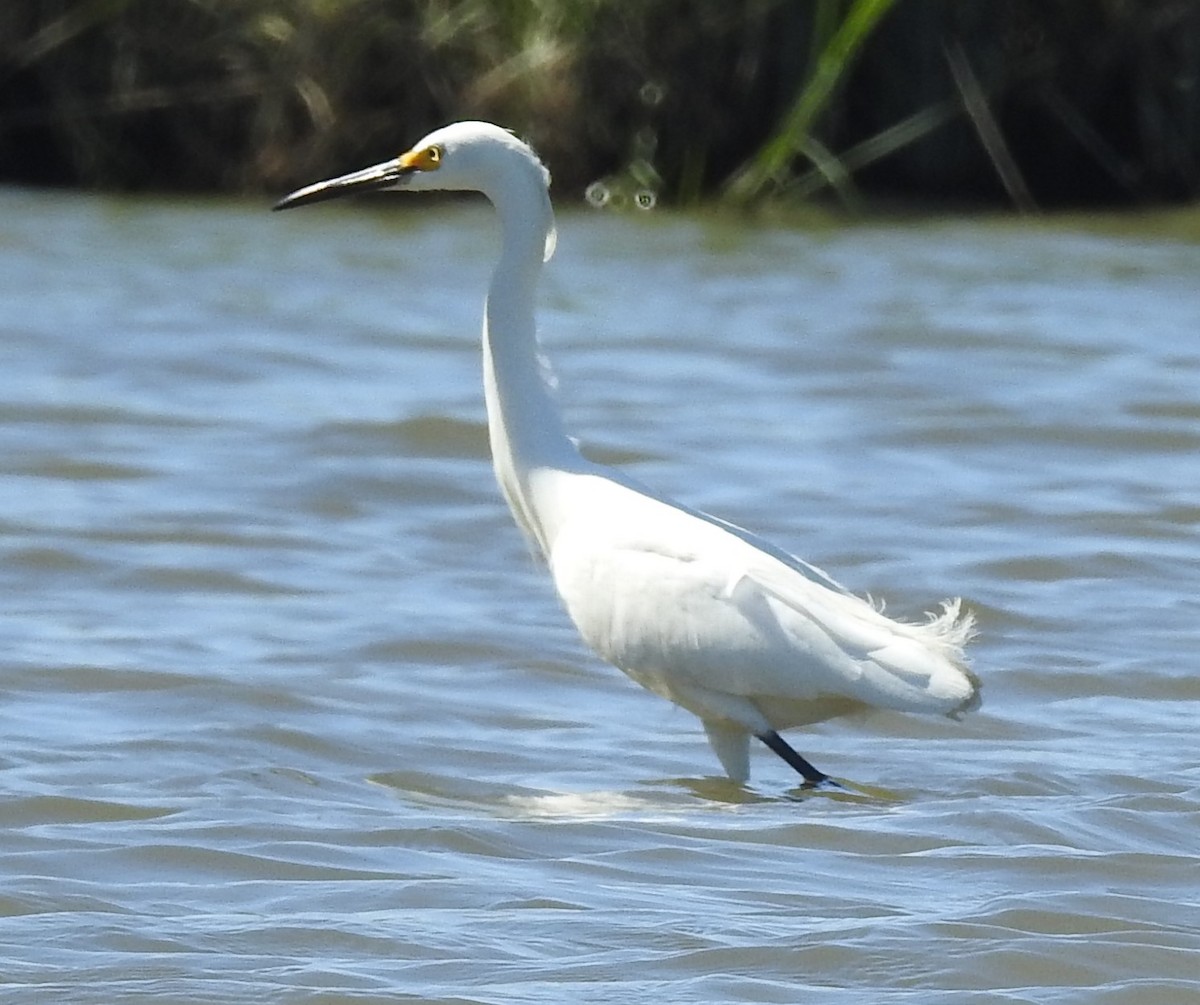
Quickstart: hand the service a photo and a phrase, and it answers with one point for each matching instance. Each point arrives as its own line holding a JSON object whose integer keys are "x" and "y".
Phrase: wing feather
{"x": 681, "y": 601}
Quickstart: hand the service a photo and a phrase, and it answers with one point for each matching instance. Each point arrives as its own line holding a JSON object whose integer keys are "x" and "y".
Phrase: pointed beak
{"x": 389, "y": 174}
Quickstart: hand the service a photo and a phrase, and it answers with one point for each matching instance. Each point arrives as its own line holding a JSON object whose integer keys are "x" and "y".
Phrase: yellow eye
{"x": 424, "y": 159}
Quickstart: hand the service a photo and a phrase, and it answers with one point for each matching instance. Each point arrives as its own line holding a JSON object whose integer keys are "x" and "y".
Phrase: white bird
{"x": 741, "y": 634}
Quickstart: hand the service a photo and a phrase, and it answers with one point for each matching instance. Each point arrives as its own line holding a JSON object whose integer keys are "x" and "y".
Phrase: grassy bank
{"x": 1026, "y": 102}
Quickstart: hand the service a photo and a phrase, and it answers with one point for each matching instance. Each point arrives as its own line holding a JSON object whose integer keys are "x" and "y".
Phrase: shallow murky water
{"x": 290, "y": 715}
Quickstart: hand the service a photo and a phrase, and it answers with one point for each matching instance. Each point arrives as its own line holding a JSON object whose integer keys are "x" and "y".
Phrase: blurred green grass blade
{"x": 768, "y": 165}
{"x": 904, "y": 133}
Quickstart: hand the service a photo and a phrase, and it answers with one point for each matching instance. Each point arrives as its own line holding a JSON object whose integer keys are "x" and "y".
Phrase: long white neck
{"x": 524, "y": 427}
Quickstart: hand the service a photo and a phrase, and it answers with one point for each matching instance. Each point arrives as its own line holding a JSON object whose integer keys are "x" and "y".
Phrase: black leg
{"x": 778, "y": 744}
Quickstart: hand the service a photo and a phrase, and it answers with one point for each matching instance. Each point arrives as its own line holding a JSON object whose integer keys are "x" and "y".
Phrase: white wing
{"x": 732, "y": 629}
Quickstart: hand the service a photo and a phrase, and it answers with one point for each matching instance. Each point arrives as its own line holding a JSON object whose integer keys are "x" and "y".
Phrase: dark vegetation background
{"x": 1031, "y": 103}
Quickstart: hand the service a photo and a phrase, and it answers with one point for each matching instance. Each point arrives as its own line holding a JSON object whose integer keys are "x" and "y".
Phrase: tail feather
{"x": 951, "y": 630}
{"x": 924, "y": 666}
{"x": 911, "y": 667}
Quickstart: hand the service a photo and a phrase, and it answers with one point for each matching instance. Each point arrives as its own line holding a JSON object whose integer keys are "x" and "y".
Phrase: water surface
{"x": 290, "y": 714}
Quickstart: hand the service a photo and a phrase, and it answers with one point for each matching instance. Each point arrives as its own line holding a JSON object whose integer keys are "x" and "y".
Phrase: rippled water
{"x": 290, "y": 715}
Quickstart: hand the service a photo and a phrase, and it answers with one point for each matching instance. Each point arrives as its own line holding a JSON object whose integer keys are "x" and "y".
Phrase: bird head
{"x": 463, "y": 156}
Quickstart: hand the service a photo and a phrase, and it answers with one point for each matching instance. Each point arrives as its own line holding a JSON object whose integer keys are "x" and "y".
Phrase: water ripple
{"x": 290, "y": 713}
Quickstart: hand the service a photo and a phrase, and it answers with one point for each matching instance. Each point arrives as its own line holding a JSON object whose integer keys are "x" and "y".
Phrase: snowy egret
{"x": 743, "y": 635}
